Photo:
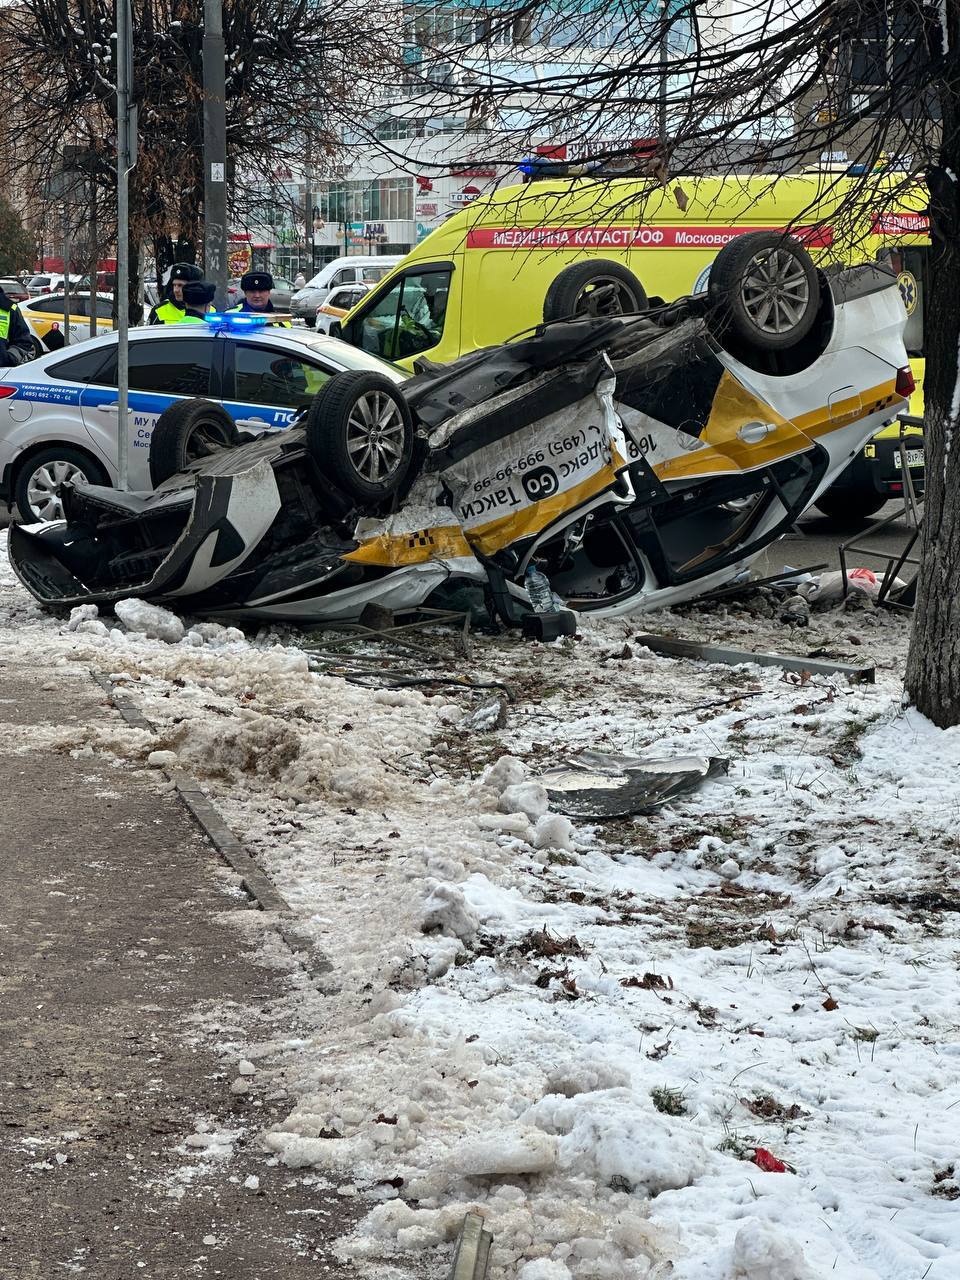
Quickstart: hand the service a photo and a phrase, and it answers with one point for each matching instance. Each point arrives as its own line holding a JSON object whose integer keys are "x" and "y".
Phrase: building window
{"x": 376, "y": 200}
{"x": 887, "y": 61}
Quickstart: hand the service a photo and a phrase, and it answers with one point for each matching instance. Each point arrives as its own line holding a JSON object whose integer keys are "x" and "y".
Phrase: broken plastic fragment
{"x": 595, "y": 784}
{"x": 765, "y": 1160}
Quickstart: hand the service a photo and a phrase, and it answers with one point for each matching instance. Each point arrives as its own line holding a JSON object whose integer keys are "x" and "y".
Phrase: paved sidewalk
{"x": 111, "y": 933}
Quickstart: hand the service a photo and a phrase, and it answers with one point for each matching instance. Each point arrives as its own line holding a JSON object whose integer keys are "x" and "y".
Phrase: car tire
{"x": 847, "y": 509}
{"x": 576, "y": 291}
{"x": 763, "y": 291}
{"x": 38, "y": 348}
{"x": 43, "y": 472}
{"x": 359, "y": 432}
{"x": 184, "y": 433}
{"x": 310, "y": 321}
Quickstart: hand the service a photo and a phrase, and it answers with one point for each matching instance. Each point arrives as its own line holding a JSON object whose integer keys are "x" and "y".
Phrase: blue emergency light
{"x": 237, "y": 320}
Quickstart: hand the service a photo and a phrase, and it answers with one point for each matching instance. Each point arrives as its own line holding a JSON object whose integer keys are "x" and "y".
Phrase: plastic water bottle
{"x": 539, "y": 589}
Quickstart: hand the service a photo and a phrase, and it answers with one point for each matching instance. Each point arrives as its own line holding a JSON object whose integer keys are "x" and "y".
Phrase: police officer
{"x": 16, "y": 342}
{"x": 171, "y": 309}
{"x": 197, "y": 297}
{"x": 255, "y": 287}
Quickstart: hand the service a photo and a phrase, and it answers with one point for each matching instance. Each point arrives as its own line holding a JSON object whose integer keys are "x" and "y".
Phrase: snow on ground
{"x": 719, "y": 1043}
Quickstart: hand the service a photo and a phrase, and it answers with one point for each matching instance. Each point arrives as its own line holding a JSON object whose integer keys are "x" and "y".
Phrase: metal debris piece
{"x": 673, "y": 648}
{"x": 472, "y": 1256}
{"x": 599, "y": 785}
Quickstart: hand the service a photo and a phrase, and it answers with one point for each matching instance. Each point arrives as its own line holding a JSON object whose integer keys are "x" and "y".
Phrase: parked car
{"x": 341, "y": 271}
{"x": 613, "y": 463}
{"x": 52, "y": 283}
{"x": 339, "y": 301}
{"x": 15, "y": 289}
{"x": 280, "y": 294}
{"x": 58, "y": 414}
{"x": 44, "y": 317}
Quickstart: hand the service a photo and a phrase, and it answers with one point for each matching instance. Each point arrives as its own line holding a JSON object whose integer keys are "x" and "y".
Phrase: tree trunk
{"x": 933, "y": 663}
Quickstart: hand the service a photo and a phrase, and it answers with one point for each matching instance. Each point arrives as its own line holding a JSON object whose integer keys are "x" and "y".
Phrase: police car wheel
{"x": 359, "y": 432}
{"x": 186, "y": 432}
{"x": 595, "y": 288}
{"x": 38, "y": 481}
{"x": 764, "y": 291}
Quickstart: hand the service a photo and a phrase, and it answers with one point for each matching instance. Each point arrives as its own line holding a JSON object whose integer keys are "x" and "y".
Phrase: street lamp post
{"x": 214, "y": 151}
{"x": 126, "y": 159}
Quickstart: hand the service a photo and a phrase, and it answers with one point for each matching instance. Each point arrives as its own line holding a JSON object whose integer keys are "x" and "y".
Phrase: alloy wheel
{"x": 375, "y": 436}
{"x": 775, "y": 291}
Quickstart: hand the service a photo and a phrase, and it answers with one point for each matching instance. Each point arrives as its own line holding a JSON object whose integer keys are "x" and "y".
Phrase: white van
{"x": 357, "y": 269}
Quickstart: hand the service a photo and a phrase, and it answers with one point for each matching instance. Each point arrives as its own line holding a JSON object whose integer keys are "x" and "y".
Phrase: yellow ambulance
{"x": 553, "y": 248}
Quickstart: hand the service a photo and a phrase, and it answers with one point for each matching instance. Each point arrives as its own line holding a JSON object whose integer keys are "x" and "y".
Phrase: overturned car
{"x": 607, "y": 463}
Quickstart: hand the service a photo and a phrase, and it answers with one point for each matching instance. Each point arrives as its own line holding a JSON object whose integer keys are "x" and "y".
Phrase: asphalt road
{"x": 815, "y": 540}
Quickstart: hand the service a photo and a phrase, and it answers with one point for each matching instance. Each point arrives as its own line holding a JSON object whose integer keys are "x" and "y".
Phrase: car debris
{"x": 607, "y": 465}
{"x": 600, "y": 785}
{"x": 672, "y": 647}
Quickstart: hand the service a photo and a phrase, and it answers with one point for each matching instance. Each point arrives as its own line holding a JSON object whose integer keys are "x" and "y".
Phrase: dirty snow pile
{"x": 715, "y": 1043}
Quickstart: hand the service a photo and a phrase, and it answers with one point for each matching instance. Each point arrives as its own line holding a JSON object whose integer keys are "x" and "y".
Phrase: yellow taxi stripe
{"x": 390, "y": 550}
{"x": 488, "y": 538}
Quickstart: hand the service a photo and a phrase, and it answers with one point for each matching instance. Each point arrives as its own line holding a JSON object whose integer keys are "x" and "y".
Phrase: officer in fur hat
{"x": 197, "y": 297}
{"x": 255, "y": 287}
{"x": 171, "y": 309}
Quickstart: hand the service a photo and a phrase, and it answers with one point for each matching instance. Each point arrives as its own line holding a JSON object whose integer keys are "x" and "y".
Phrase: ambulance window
{"x": 407, "y": 319}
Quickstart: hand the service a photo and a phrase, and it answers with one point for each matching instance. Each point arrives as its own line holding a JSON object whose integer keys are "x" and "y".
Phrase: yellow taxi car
{"x": 44, "y": 317}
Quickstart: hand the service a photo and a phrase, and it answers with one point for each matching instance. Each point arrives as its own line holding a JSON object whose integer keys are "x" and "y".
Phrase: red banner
{"x": 899, "y": 224}
{"x": 627, "y": 237}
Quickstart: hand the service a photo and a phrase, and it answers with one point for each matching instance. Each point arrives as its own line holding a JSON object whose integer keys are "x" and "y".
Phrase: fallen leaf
{"x": 830, "y": 1004}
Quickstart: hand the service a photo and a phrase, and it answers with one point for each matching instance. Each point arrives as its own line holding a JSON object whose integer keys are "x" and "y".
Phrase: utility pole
{"x": 308, "y": 211}
{"x": 214, "y": 151}
{"x": 66, "y": 263}
{"x": 95, "y": 256}
{"x": 662, "y": 87}
{"x": 126, "y": 159}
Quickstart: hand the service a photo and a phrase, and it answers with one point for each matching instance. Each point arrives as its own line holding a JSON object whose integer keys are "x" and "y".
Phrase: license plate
{"x": 914, "y": 458}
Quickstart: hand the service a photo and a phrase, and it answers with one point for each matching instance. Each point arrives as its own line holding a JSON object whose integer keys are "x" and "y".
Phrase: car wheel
{"x": 847, "y": 509}
{"x": 38, "y": 348}
{"x": 37, "y": 485}
{"x": 360, "y": 433}
{"x": 184, "y": 433}
{"x": 764, "y": 291}
{"x": 596, "y": 288}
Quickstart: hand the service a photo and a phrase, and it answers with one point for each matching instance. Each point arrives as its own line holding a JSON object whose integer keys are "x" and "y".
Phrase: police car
{"x": 58, "y": 414}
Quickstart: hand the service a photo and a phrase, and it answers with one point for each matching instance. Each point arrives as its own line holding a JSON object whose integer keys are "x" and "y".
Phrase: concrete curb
{"x": 254, "y": 880}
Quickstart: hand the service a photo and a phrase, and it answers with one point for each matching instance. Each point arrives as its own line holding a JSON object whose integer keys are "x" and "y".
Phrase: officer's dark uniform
{"x": 259, "y": 280}
{"x": 168, "y": 310}
{"x": 16, "y": 341}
